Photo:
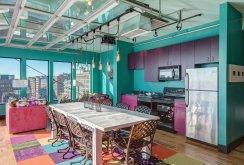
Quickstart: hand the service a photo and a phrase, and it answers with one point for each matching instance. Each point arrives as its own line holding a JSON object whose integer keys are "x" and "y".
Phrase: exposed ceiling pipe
{"x": 19, "y": 7}
{"x": 148, "y": 9}
{"x": 59, "y": 12}
{"x": 173, "y": 36}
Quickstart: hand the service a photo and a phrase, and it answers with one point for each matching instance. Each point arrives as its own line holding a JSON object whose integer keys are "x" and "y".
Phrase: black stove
{"x": 165, "y": 107}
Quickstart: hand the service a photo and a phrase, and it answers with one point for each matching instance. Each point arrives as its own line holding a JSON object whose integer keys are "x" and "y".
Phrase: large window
{"x": 83, "y": 80}
{"x": 61, "y": 80}
{"x": 9, "y": 71}
{"x": 37, "y": 76}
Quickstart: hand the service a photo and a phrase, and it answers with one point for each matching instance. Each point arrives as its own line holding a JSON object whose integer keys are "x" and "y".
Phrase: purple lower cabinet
{"x": 130, "y": 100}
{"x": 180, "y": 117}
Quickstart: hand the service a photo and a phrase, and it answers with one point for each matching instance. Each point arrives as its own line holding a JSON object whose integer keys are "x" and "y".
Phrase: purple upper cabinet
{"x": 136, "y": 60}
{"x": 187, "y": 57}
{"x": 203, "y": 51}
{"x": 131, "y": 61}
{"x": 215, "y": 49}
{"x": 140, "y": 60}
{"x": 163, "y": 56}
{"x": 174, "y": 55}
{"x": 151, "y": 65}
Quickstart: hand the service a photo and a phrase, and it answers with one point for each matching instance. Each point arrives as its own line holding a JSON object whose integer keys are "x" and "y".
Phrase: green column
{"x": 23, "y": 76}
{"x": 73, "y": 78}
{"x": 50, "y": 81}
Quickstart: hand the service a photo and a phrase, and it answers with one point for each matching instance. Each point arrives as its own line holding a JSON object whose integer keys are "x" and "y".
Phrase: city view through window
{"x": 7, "y": 76}
{"x": 61, "y": 80}
{"x": 83, "y": 80}
{"x": 37, "y": 72}
{"x": 37, "y": 76}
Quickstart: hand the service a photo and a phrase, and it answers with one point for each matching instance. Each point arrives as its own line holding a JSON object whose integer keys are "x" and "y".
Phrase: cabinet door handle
{"x": 207, "y": 58}
{"x": 212, "y": 58}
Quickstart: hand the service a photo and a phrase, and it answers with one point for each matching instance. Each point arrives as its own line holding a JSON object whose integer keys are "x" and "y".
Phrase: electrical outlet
{"x": 236, "y": 73}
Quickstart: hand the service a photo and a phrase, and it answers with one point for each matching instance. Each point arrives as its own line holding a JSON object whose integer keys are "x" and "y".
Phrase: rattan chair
{"x": 53, "y": 122}
{"x": 141, "y": 135}
{"x": 64, "y": 134}
{"x": 82, "y": 138}
{"x": 108, "y": 102}
{"x": 143, "y": 109}
{"x": 123, "y": 106}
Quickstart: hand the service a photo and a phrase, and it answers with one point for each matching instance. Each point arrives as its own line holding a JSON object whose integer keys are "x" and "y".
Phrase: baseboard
{"x": 2, "y": 117}
{"x": 227, "y": 149}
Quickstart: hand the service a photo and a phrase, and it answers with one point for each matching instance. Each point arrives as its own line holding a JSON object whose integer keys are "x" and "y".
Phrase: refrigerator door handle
{"x": 187, "y": 79}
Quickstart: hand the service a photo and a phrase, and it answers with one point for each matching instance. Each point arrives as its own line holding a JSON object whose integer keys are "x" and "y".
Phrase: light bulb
{"x": 100, "y": 66}
{"x": 118, "y": 56}
{"x": 93, "y": 64}
{"x": 109, "y": 67}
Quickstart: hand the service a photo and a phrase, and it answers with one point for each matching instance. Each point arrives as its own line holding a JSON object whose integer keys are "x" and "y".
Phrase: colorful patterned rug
{"x": 34, "y": 149}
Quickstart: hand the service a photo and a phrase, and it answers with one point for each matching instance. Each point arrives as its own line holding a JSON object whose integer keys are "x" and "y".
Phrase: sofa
{"x": 22, "y": 119}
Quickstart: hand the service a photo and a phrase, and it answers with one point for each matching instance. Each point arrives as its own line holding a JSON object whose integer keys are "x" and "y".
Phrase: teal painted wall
{"x": 25, "y": 54}
{"x": 125, "y": 76}
{"x": 231, "y": 104}
{"x": 171, "y": 39}
{"x": 122, "y": 81}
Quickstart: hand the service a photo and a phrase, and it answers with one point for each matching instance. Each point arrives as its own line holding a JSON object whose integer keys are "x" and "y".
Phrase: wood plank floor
{"x": 180, "y": 144}
{"x": 208, "y": 155}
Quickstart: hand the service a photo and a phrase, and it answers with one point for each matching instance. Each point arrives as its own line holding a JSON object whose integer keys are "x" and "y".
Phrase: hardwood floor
{"x": 207, "y": 154}
{"x": 180, "y": 144}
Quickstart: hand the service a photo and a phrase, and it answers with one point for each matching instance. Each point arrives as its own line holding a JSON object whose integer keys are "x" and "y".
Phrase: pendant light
{"x": 80, "y": 65}
{"x": 118, "y": 53}
{"x": 108, "y": 61}
{"x": 72, "y": 63}
{"x": 93, "y": 60}
{"x": 100, "y": 62}
{"x": 86, "y": 53}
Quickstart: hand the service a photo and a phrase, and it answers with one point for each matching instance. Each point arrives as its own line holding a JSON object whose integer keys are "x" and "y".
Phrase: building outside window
{"x": 7, "y": 76}
{"x": 61, "y": 80}
{"x": 37, "y": 76}
{"x": 83, "y": 80}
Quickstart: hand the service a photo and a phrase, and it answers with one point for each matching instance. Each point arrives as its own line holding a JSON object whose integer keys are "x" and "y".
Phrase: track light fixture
{"x": 179, "y": 24}
{"x": 155, "y": 33}
{"x": 134, "y": 39}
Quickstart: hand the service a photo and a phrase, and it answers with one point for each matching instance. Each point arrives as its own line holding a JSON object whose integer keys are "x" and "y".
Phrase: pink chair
{"x": 21, "y": 119}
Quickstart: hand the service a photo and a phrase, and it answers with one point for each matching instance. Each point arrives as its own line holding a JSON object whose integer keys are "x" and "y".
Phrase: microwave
{"x": 169, "y": 73}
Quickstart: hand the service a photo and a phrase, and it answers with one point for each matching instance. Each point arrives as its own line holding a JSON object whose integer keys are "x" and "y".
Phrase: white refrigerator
{"x": 201, "y": 97}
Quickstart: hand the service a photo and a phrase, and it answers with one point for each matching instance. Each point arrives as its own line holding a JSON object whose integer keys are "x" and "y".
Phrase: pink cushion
{"x": 21, "y": 119}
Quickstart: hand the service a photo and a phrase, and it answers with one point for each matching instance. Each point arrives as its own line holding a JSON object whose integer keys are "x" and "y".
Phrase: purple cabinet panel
{"x": 151, "y": 65}
{"x": 180, "y": 117}
{"x": 140, "y": 60}
{"x": 131, "y": 61}
{"x": 203, "y": 51}
{"x": 174, "y": 55}
{"x": 215, "y": 49}
{"x": 130, "y": 100}
{"x": 136, "y": 60}
{"x": 163, "y": 56}
{"x": 187, "y": 57}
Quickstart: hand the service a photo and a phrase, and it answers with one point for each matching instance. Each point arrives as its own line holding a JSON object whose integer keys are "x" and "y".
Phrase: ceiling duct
{"x": 141, "y": 26}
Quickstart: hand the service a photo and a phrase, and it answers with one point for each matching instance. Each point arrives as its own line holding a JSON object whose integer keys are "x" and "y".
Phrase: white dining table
{"x": 110, "y": 118}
